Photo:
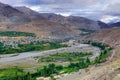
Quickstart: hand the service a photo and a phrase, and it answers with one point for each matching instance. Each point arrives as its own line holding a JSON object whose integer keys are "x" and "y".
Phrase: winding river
{"x": 24, "y": 55}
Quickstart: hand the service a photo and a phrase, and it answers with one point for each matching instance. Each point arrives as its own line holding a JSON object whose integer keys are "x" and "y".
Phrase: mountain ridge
{"x": 23, "y": 16}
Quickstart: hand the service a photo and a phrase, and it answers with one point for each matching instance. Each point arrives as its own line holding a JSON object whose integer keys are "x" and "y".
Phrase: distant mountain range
{"x": 48, "y": 25}
{"x": 109, "y": 25}
{"x": 117, "y": 24}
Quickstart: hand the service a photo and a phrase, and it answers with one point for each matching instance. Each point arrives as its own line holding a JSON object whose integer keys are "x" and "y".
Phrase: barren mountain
{"x": 10, "y": 14}
{"x": 70, "y": 21}
{"x": 43, "y": 24}
{"x": 46, "y": 29}
{"x": 81, "y": 22}
{"x": 103, "y": 25}
{"x": 117, "y": 24}
{"x": 110, "y": 36}
{"x": 74, "y": 21}
{"x": 29, "y": 12}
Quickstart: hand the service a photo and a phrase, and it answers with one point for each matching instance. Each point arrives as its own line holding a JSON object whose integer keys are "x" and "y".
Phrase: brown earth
{"x": 46, "y": 29}
{"x": 105, "y": 71}
{"x": 46, "y": 25}
{"x": 110, "y": 36}
{"x": 109, "y": 70}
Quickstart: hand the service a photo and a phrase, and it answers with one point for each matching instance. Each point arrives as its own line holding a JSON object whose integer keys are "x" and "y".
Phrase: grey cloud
{"x": 55, "y": 1}
{"x": 113, "y": 9}
{"x": 32, "y": 2}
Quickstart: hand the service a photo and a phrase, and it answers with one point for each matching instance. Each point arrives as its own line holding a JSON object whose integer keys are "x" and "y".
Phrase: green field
{"x": 66, "y": 56}
{"x": 11, "y": 73}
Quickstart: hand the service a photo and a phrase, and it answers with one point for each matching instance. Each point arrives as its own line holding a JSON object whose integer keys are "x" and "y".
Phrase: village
{"x": 14, "y": 41}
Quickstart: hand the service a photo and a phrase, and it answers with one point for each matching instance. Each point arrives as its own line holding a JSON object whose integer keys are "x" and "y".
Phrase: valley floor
{"x": 27, "y": 59}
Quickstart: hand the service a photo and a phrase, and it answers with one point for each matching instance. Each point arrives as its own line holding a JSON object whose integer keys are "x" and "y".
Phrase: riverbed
{"x": 28, "y": 57}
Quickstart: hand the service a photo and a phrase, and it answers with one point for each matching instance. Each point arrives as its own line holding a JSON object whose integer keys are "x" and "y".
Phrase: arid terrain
{"x": 110, "y": 69}
{"x": 110, "y": 36}
{"x": 90, "y": 49}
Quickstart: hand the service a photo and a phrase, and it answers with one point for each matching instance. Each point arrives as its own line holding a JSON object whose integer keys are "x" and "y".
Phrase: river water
{"x": 14, "y": 57}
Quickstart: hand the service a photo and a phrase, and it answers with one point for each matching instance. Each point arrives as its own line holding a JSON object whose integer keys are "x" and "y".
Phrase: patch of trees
{"x": 66, "y": 56}
{"x": 47, "y": 71}
{"x": 105, "y": 50}
{"x": 57, "y": 69}
{"x": 16, "y": 34}
{"x": 102, "y": 46}
{"x": 103, "y": 56}
{"x": 38, "y": 46}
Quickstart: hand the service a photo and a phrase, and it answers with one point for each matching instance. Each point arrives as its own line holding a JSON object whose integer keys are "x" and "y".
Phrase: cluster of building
{"x": 14, "y": 42}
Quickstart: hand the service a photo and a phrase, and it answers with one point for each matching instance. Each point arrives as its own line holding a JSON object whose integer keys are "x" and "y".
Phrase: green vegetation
{"x": 38, "y": 46}
{"x": 16, "y": 34}
{"x": 105, "y": 50}
{"x": 66, "y": 56}
{"x": 102, "y": 46}
{"x": 103, "y": 56}
{"x": 11, "y": 73}
{"x": 51, "y": 69}
{"x": 18, "y": 74}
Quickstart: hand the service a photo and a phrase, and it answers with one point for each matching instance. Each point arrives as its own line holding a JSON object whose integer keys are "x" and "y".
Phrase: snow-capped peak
{"x": 110, "y": 19}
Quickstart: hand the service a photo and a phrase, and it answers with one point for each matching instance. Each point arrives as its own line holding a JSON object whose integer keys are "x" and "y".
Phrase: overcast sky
{"x": 105, "y": 10}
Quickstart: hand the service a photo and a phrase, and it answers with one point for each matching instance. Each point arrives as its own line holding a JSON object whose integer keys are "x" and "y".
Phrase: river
{"x": 19, "y": 56}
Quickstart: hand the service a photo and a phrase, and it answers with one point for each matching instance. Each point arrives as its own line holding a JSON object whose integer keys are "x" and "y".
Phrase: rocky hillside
{"x": 29, "y": 12}
{"x": 103, "y": 25}
{"x": 74, "y": 21}
{"x": 46, "y": 29}
{"x": 110, "y": 70}
{"x": 110, "y": 36}
{"x": 70, "y": 21}
{"x": 9, "y": 14}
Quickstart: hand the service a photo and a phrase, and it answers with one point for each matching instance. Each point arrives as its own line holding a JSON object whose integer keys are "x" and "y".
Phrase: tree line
{"x": 30, "y": 47}
{"x": 16, "y": 34}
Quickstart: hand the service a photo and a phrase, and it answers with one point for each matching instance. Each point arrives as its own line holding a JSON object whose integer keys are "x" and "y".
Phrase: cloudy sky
{"x": 106, "y": 10}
